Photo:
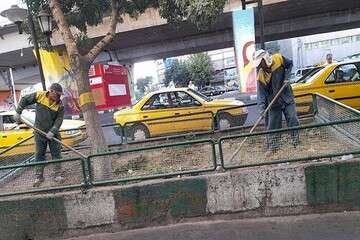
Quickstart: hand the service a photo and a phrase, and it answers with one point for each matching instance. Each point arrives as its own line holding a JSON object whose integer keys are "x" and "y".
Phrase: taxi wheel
{"x": 225, "y": 121}
{"x": 139, "y": 133}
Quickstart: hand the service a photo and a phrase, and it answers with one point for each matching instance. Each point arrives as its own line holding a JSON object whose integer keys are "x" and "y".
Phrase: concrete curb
{"x": 262, "y": 191}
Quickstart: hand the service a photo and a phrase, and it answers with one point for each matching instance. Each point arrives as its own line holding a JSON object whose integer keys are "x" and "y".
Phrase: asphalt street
{"x": 334, "y": 226}
{"x": 112, "y": 138}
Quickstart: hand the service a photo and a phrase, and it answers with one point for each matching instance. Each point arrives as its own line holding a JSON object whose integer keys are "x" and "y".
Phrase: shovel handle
{"x": 26, "y": 122}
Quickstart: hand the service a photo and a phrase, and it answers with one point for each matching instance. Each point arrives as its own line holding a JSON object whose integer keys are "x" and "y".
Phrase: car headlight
{"x": 72, "y": 132}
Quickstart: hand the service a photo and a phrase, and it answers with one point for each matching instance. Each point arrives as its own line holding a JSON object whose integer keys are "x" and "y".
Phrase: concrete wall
{"x": 263, "y": 191}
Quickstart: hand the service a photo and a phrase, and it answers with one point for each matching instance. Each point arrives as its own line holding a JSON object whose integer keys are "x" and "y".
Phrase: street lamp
{"x": 15, "y": 15}
{"x": 18, "y": 15}
{"x": 45, "y": 22}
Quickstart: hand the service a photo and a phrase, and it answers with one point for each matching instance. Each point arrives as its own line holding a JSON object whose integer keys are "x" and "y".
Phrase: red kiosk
{"x": 110, "y": 86}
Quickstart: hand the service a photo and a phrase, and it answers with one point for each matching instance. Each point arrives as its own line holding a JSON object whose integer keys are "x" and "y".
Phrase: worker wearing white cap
{"x": 271, "y": 74}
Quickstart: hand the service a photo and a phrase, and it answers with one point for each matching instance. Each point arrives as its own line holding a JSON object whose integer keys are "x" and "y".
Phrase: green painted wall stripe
{"x": 349, "y": 184}
{"x": 159, "y": 202}
{"x": 32, "y": 218}
{"x": 321, "y": 184}
{"x": 333, "y": 184}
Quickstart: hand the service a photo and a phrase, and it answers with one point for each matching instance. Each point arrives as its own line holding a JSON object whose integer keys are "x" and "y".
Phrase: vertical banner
{"x": 56, "y": 68}
{"x": 244, "y": 36}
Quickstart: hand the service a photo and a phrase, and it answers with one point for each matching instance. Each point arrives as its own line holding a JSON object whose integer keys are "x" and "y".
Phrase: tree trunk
{"x": 80, "y": 67}
{"x": 101, "y": 166}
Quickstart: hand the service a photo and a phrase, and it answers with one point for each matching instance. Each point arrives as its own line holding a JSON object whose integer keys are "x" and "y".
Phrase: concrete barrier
{"x": 252, "y": 192}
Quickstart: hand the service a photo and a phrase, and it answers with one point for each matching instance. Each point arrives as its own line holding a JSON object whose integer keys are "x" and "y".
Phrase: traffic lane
{"x": 112, "y": 138}
{"x": 331, "y": 226}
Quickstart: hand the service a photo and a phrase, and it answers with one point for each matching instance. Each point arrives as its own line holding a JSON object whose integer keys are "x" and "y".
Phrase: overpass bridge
{"x": 150, "y": 37}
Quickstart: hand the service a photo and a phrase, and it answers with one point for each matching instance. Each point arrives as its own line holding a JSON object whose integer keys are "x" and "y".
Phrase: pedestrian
{"x": 272, "y": 71}
{"x": 329, "y": 59}
{"x": 49, "y": 117}
{"x": 191, "y": 85}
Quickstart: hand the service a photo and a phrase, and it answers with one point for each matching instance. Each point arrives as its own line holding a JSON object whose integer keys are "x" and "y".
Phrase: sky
{"x": 6, "y": 4}
{"x": 144, "y": 69}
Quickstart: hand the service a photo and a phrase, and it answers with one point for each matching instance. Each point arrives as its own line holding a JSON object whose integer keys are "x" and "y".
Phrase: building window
{"x": 325, "y": 43}
{"x": 335, "y": 41}
{"x": 315, "y": 45}
{"x": 345, "y": 40}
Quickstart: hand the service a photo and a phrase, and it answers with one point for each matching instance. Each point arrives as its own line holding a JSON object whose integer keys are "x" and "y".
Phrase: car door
{"x": 343, "y": 84}
{"x": 158, "y": 107}
{"x": 192, "y": 115}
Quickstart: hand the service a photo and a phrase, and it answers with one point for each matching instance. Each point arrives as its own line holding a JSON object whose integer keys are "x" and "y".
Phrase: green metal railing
{"x": 18, "y": 184}
{"x": 277, "y": 146}
{"x": 331, "y": 136}
{"x": 145, "y": 162}
{"x": 337, "y": 133}
{"x": 330, "y": 110}
{"x": 16, "y": 154}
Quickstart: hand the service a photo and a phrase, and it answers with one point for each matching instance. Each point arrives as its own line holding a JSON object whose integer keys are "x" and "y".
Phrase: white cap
{"x": 260, "y": 55}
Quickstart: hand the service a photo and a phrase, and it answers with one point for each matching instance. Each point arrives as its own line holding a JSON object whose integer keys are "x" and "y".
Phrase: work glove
{"x": 17, "y": 118}
{"x": 50, "y": 135}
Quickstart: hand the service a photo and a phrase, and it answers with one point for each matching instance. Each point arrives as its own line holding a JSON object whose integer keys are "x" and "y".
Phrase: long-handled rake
{"x": 27, "y": 123}
{"x": 262, "y": 115}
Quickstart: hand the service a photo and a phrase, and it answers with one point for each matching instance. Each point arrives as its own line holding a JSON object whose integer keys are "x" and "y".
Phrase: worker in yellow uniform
{"x": 272, "y": 71}
{"x": 49, "y": 117}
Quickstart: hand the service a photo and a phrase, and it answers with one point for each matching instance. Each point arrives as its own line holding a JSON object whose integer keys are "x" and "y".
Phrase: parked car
{"x": 213, "y": 91}
{"x": 339, "y": 81}
{"x": 352, "y": 57}
{"x": 303, "y": 71}
{"x": 12, "y": 133}
{"x": 232, "y": 88}
{"x": 309, "y": 74}
{"x": 178, "y": 110}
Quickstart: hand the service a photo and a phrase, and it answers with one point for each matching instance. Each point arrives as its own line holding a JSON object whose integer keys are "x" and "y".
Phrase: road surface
{"x": 334, "y": 226}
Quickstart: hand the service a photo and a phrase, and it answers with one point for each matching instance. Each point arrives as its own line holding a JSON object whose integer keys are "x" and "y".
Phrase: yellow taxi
{"x": 339, "y": 81}
{"x": 12, "y": 133}
{"x": 178, "y": 110}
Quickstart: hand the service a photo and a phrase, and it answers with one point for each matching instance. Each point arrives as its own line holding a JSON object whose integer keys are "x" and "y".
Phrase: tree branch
{"x": 99, "y": 47}
{"x": 64, "y": 28}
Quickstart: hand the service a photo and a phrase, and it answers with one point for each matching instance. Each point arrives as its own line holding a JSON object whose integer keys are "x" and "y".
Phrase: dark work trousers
{"x": 41, "y": 144}
{"x": 275, "y": 122}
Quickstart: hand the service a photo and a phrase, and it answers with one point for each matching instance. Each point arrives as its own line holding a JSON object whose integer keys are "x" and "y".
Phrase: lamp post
{"x": 18, "y": 15}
